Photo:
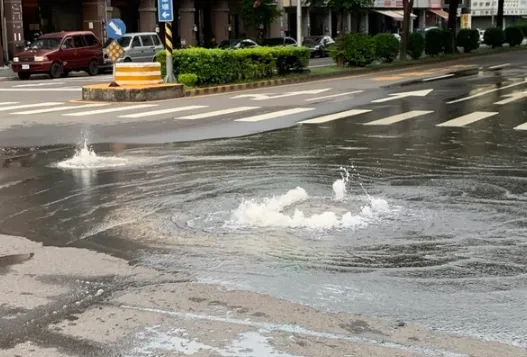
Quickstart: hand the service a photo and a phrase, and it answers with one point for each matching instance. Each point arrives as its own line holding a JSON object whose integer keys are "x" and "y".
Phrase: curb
{"x": 357, "y": 73}
{"x": 455, "y": 73}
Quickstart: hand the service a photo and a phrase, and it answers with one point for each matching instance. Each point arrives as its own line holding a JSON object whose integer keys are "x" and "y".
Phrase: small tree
{"x": 452, "y": 21}
{"x": 341, "y": 7}
{"x": 258, "y": 13}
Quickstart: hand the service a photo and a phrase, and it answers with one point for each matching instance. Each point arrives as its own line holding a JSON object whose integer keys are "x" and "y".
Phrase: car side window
{"x": 147, "y": 41}
{"x": 67, "y": 44}
{"x": 79, "y": 41}
{"x": 90, "y": 40}
{"x": 157, "y": 41}
{"x": 289, "y": 41}
{"x": 136, "y": 42}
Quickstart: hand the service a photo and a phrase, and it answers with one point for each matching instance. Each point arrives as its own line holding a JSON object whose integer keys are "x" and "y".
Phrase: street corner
{"x": 131, "y": 93}
{"x": 198, "y": 319}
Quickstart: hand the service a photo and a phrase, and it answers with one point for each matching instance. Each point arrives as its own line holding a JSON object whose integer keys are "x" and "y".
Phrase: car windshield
{"x": 311, "y": 41}
{"x": 124, "y": 41}
{"x": 45, "y": 43}
{"x": 228, "y": 43}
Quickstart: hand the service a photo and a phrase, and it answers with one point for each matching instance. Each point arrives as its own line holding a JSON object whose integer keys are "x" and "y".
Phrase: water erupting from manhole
{"x": 86, "y": 158}
{"x": 272, "y": 211}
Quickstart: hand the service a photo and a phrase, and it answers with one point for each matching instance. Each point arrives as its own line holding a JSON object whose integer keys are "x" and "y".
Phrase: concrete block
{"x": 105, "y": 93}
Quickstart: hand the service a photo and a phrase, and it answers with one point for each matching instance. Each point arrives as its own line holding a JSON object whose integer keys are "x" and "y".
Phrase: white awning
{"x": 394, "y": 14}
{"x": 440, "y": 13}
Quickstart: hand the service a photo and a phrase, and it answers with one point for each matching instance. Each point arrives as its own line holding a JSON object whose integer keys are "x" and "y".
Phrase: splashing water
{"x": 269, "y": 212}
{"x": 85, "y": 158}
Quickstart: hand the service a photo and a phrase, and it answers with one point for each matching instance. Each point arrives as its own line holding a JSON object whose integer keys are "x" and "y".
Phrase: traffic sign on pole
{"x": 165, "y": 10}
{"x": 115, "y": 29}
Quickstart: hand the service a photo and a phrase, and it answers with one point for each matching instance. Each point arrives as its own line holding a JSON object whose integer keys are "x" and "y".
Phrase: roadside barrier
{"x": 138, "y": 73}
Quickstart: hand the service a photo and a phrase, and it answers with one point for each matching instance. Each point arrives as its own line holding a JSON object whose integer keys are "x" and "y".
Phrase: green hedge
{"x": 468, "y": 39}
{"x": 359, "y": 49}
{"x": 513, "y": 36}
{"x": 386, "y": 46}
{"x": 218, "y": 66}
{"x": 494, "y": 37}
{"x": 434, "y": 42}
{"x": 416, "y": 45}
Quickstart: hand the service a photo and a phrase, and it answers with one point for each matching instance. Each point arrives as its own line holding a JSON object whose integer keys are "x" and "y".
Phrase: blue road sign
{"x": 165, "y": 10}
{"x": 115, "y": 29}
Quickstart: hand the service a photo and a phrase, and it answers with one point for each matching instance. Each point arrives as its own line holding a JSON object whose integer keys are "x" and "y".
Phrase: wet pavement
{"x": 414, "y": 218}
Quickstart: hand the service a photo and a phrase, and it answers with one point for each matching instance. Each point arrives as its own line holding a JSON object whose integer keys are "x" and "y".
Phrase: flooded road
{"x": 426, "y": 228}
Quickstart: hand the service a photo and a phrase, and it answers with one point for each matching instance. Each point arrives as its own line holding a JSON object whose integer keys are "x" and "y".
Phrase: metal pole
{"x": 169, "y": 78}
{"x": 299, "y": 22}
{"x": 3, "y": 25}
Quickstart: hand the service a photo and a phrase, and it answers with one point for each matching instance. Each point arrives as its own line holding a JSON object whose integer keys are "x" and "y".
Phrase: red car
{"x": 59, "y": 53}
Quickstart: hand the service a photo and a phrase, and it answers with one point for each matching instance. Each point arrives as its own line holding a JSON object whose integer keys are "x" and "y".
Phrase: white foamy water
{"x": 86, "y": 158}
{"x": 269, "y": 212}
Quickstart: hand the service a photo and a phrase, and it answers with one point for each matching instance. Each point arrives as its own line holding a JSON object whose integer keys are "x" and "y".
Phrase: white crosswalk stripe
{"x": 273, "y": 115}
{"x": 58, "y": 109}
{"x": 218, "y": 113}
{"x": 23, "y": 106}
{"x": 467, "y": 119}
{"x": 8, "y": 103}
{"x": 331, "y": 117}
{"x": 399, "y": 117}
{"x": 162, "y": 111}
{"x": 334, "y": 96}
{"x": 521, "y": 127}
{"x": 110, "y": 110}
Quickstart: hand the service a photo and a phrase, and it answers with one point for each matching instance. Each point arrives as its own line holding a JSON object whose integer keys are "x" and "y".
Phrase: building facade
{"x": 198, "y": 22}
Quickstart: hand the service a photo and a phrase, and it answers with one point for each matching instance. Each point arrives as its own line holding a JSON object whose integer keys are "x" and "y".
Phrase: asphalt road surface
{"x": 404, "y": 203}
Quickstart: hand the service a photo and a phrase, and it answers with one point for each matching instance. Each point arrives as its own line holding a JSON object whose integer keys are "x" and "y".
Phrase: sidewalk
{"x": 85, "y": 303}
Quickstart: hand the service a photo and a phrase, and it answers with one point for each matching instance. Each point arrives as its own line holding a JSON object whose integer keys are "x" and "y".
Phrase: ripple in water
{"x": 86, "y": 158}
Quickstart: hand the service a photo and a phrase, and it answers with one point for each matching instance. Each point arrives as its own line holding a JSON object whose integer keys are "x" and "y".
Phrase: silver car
{"x": 138, "y": 47}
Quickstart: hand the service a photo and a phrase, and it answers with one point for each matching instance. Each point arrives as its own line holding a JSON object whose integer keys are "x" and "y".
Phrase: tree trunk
{"x": 359, "y": 21}
{"x": 340, "y": 36}
{"x": 408, "y": 6}
{"x": 499, "y": 18}
{"x": 452, "y": 21}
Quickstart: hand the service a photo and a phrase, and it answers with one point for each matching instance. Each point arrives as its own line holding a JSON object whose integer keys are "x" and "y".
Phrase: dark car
{"x": 319, "y": 45}
{"x": 59, "y": 53}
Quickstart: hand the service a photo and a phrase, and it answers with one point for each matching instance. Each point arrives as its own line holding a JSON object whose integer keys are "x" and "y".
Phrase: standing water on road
{"x": 432, "y": 232}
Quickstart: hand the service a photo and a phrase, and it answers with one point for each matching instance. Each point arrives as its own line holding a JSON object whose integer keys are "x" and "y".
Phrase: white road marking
{"x": 58, "y": 109}
{"x": 512, "y": 97}
{"x": 43, "y": 104}
{"x": 334, "y": 95}
{"x": 438, "y": 77}
{"x": 110, "y": 110}
{"x": 487, "y": 92}
{"x": 500, "y": 66}
{"x": 40, "y": 89}
{"x": 399, "y": 117}
{"x": 467, "y": 119}
{"x": 162, "y": 111}
{"x": 331, "y": 117}
{"x": 273, "y": 115}
{"x": 38, "y": 84}
{"x": 521, "y": 127}
{"x": 218, "y": 112}
{"x": 8, "y": 103}
{"x": 394, "y": 96}
{"x": 263, "y": 96}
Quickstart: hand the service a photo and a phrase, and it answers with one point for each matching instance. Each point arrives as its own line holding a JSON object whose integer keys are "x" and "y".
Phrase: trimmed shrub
{"x": 386, "y": 46}
{"x": 433, "y": 42}
{"x": 468, "y": 39}
{"x": 523, "y": 28}
{"x": 494, "y": 37}
{"x": 416, "y": 45}
{"x": 358, "y": 49}
{"x": 513, "y": 36}
{"x": 217, "y": 66}
{"x": 188, "y": 79}
{"x": 447, "y": 41}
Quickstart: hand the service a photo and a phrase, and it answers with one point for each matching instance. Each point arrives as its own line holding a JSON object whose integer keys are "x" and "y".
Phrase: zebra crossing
{"x": 242, "y": 114}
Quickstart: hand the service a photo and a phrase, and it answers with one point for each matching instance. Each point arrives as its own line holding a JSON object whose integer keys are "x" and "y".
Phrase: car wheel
{"x": 93, "y": 68}
{"x": 24, "y": 75}
{"x": 127, "y": 59}
{"x": 56, "y": 70}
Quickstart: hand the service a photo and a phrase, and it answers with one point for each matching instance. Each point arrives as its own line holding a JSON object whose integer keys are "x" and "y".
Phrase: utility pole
{"x": 299, "y": 22}
{"x": 3, "y": 26}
